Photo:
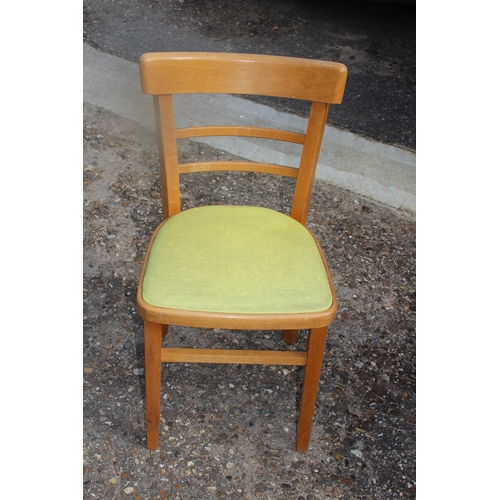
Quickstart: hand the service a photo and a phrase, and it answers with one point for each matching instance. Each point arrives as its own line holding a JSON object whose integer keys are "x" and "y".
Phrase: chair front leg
{"x": 152, "y": 351}
{"x": 315, "y": 351}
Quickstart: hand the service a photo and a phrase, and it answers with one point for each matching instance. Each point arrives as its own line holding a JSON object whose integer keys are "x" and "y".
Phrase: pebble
{"x": 128, "y": 344}
{"x": 261, "y": 487}
{"x": 128, "y": 490}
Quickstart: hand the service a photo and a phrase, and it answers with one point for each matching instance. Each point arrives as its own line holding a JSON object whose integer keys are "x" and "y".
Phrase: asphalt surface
{"x": 376, "y": 40}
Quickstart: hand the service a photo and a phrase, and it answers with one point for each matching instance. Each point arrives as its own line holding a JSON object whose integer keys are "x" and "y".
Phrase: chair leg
{"x": 290, "y": 336}
{"x": 164, "y": 330}
{"x": 152, "y": 351}
{"x": 315, "y": 351}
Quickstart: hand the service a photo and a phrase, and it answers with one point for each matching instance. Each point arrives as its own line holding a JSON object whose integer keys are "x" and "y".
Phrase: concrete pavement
{"x": 383, "y": 173}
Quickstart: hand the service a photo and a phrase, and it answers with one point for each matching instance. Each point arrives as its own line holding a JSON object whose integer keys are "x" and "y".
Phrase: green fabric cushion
{"x": 236, "y": 259}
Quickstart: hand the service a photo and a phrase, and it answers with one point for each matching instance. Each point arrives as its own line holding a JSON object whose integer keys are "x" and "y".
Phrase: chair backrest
{"x": 164, "y": 74}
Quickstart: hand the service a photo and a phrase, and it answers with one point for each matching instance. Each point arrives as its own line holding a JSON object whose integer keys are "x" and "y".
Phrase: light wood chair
{"x": 237, "y": 267}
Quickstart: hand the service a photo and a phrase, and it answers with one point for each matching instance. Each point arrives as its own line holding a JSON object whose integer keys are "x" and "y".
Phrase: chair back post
{"x": 308, "y": 161}
{"x": 167, "y": 149}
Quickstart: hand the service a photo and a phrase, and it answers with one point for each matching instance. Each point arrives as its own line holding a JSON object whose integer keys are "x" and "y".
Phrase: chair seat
{"x": 235, "y": 259}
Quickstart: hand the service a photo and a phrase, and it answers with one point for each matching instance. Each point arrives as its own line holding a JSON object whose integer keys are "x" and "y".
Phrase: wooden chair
{"x": 237, "y": 267}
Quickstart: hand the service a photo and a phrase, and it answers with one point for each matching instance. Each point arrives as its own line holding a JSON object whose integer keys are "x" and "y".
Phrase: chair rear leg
{"x": 315, "y": 351}
{"x": 152, "y": 351}
{"x": 290, "y": 336}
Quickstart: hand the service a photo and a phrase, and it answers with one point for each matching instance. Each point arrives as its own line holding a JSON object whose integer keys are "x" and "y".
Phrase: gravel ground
{"x": 229, "y": 431}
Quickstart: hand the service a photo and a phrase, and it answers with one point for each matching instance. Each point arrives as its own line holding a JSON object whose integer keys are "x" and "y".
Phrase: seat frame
{"x": 320, "y": 82}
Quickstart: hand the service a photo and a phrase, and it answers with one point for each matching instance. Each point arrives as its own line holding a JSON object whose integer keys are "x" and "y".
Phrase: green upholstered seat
{"x": 236, "y": 259}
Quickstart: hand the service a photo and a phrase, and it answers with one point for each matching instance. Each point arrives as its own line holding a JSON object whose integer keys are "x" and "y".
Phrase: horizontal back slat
{"x": 236, "y": 131}
{"x": 241, "y": 166}
{"x": 204, "y": 72}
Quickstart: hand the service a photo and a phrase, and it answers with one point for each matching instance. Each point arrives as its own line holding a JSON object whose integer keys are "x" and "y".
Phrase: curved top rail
{"x": 210, "y": 72}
